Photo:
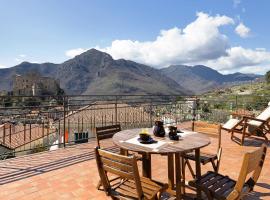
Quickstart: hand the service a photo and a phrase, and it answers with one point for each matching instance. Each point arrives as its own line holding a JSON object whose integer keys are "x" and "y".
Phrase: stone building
{"x": 33, "y": 84}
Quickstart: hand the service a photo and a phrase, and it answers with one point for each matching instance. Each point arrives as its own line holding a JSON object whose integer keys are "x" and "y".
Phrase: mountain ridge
{"x": 96, "y": 72}
{"x": 200, "y": 78}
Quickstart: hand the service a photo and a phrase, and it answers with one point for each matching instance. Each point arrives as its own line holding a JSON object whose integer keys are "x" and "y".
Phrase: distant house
{"x": 3, "y": 93}
{"x": 33, "y": 84}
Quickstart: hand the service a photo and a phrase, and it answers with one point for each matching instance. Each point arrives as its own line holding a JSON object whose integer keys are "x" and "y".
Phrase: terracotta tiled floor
{"x": 71, "y": 173}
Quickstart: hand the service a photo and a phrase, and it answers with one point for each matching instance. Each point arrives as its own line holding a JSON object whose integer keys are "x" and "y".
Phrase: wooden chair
{"x": 217, "y": 186}
{"x": 212, "y": 130}
{"x": 131, "y": 185}
{"x": 247, "y": 126}
{"x": 106, "y": 132}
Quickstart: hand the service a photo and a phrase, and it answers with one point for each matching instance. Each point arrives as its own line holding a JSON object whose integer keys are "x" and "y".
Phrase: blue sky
{"x": 227, "y": 35}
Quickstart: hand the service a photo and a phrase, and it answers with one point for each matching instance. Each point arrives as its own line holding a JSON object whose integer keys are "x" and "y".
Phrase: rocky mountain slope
{"x": 199, "y": 78}
{"x": 95, "y": 72}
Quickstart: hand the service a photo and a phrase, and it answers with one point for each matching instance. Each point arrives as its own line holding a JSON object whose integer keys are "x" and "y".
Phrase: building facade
{"x": 33, "y": 84}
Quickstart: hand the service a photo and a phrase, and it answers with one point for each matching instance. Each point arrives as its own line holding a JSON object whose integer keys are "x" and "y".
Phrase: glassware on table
{"x": 144, "y": 134}
{"x": 144, "y": 131}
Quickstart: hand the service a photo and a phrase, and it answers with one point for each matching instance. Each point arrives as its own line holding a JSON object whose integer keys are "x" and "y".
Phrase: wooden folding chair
{"x": 217, "y": 186}
{"x": 131, "y": 185}
{"x": 212, "y": 130}
{"x": 250, "y": 126}
{"x": 106, "y": 132}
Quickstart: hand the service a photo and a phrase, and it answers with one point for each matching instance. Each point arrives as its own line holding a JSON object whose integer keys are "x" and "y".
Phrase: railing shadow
{"x": 26, "y": 172}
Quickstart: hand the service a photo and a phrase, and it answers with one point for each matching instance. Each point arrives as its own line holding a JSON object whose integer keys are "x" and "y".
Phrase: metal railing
{"x": 31, "y": 124}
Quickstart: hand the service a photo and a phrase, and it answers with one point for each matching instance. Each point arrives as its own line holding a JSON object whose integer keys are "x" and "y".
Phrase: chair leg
{"x": 99, "y": 185}
{"x": 232, "y": 135}
{"x": 190, "y": 168}
{"x": 266, "y": 139}
{"x": 214, "y": 166}
{"x": 183, "y": 174}
{"x": 243, "y": 138}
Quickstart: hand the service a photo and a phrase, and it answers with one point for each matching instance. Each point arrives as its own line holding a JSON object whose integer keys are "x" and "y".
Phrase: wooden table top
{"x": 186, "y": 143}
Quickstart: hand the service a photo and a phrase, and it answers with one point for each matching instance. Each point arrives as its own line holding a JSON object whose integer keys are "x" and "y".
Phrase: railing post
{"x": 30, "y": 133}
{"x": 4, "y": 134}
{"x": 194, "y": 107}
{"x": 24, "y": 132}
{"x": 115, "y": 109}
{"x": 48, "y": 130}
{"x": 78, "y": 124}
{"x": 151, "y": 110}
{"x": 64, "y": 125}
{"x": 59, "y": 133}
{"x": 82, "y": 125}
{"x": 42, "y": 129}
{"x": 10, "y": 134}
{"x": 69, "y": 136}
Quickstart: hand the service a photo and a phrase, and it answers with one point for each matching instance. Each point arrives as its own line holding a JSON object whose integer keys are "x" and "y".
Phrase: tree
{"x": 267, "y": 77}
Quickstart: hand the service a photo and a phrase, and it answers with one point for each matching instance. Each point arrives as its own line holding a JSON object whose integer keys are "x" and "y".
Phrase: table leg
{"x": 183, "y": 175}
{"x": 171, "y": 171}
{"x": 178, "y": 177}
{"x": 146, "y": 165}
{"x": 123, "y": 152}
{"x": 198, "y": 171}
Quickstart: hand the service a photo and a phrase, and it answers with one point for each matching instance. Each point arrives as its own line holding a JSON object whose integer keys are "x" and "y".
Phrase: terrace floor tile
{"x": 71, "y": 173}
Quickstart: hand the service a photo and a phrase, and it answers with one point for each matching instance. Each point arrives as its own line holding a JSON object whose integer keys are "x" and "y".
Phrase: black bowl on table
{"x": 144, "y": 136}
{"x": 174, "y": 137}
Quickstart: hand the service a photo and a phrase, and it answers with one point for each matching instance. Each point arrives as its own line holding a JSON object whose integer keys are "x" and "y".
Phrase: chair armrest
{"x": 253, "y": 118}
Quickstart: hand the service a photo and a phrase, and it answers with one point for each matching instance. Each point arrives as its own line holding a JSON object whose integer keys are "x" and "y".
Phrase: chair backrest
{"x": 264, "y": 115}
{"x": 123, "y": 166}
{"x": 250, "y": 170}
{"x": 106, "y": 132}
{"x": 213, "y": 130}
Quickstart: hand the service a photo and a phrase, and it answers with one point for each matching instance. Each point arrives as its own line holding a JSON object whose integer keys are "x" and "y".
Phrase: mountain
{"x": 95, "y": 72}
{"x": 199, "y": 78}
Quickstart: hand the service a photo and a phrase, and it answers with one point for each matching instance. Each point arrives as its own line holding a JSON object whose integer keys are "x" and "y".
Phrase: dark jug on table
{"x": 159, "y": 129}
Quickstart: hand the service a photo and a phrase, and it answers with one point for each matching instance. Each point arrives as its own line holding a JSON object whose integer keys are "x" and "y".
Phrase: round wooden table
{"x": 190, "y": 141}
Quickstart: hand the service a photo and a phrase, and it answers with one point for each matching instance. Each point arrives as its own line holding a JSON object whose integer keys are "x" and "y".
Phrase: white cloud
{"x": 22, "y": 55}
{"x": 241, "y": 59}
{"x": 198, "y": 41}
{"x": 74, "y": 52}
{"x": 20, "y": 58}
{"x": 236, "y": 3}
{"x": 3, "y": 66}
{"x": 242, "y": 30}
{"x": 260, "y": 49}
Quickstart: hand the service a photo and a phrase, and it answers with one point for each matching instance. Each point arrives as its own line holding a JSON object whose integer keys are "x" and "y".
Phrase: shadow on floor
{"x": 250, "y": 141}
{"x": 26, "y": 172}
